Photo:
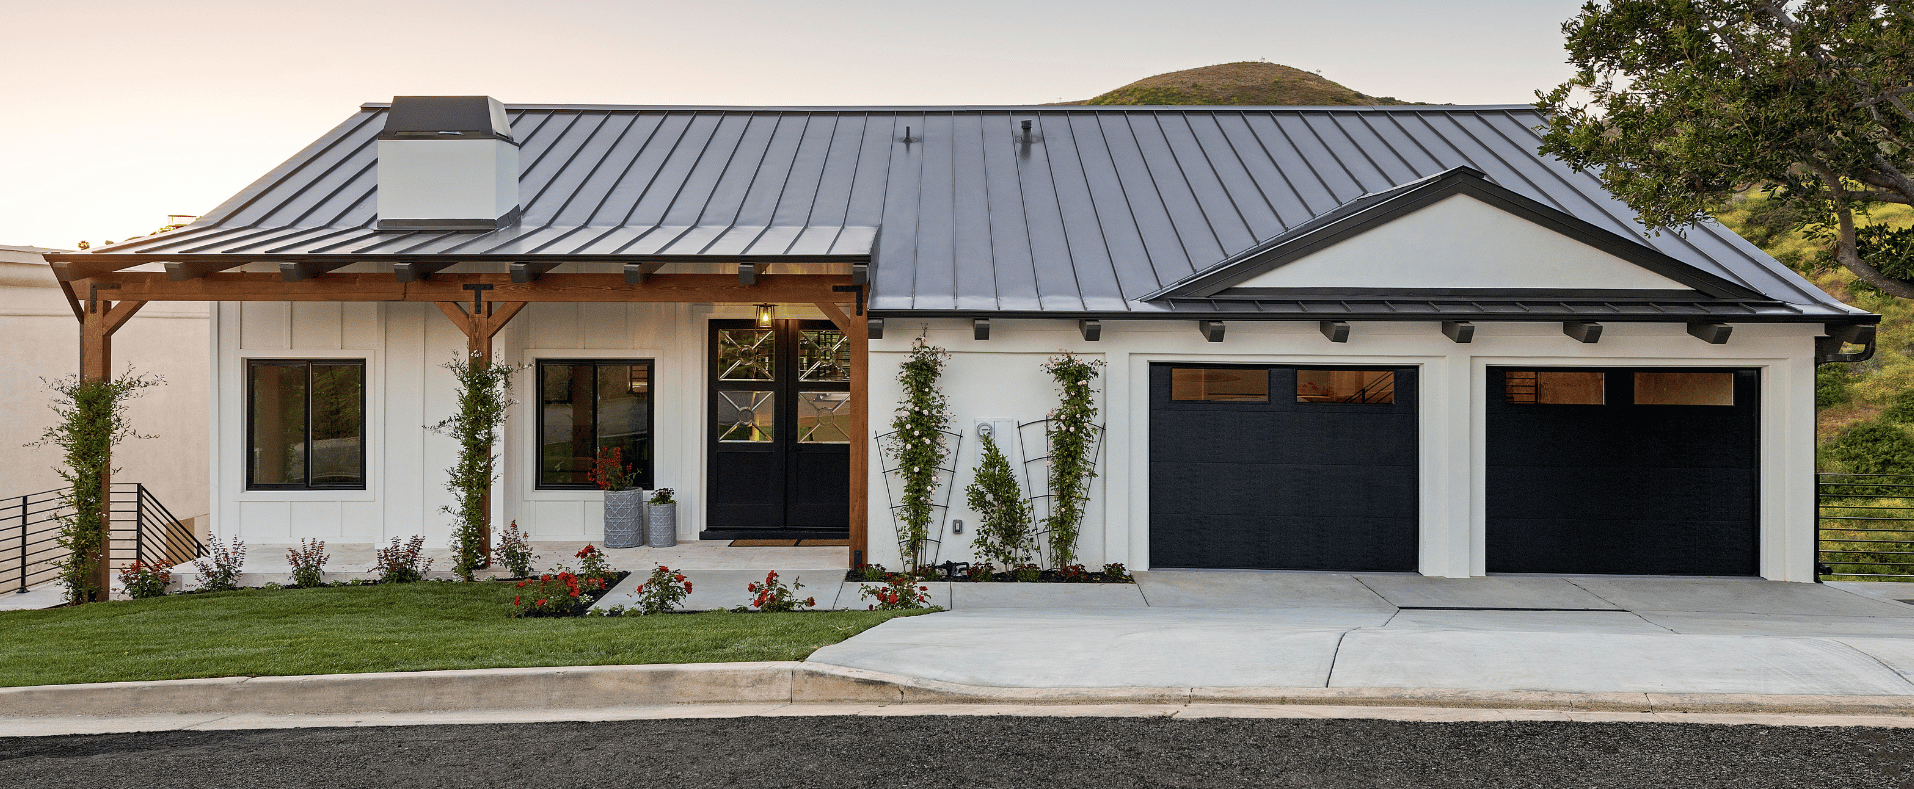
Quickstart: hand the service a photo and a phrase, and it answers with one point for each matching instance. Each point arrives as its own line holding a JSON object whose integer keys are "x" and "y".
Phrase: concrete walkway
{"x": 1319, "y": 630}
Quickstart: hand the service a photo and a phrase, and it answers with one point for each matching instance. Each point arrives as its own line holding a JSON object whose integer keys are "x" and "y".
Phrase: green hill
{"x": 1847, "y": 395}
{"x": 1249, "y": 83}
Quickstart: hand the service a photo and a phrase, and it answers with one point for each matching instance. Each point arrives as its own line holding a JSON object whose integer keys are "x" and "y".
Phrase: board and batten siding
{"x": 998, "y": 380}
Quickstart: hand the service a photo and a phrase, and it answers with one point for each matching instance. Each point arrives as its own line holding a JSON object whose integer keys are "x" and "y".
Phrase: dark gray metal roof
{"x": 1098, "y": 208}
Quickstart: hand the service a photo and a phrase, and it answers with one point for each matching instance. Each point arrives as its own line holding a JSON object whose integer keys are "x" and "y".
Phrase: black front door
{"x": 1283, "y": 468}
{"x": 780, "y": 430}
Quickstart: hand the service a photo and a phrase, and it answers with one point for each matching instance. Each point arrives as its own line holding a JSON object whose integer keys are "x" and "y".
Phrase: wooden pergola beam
{"x": 854, "y": 329}
{"x": 99, "y": 319}
{"x": 678, "y": 288}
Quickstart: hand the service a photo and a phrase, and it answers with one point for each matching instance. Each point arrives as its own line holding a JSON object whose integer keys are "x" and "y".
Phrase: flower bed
{"x": 965, "y": 572}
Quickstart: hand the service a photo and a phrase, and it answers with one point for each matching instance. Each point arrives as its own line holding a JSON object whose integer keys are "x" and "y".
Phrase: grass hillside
{"x": 1249, "y": 83}
{"x": 1854, "y": 401}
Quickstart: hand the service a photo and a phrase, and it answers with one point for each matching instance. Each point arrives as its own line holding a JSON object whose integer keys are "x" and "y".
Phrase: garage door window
{"x": 1346, "y": 386}
{"x": 1667, "y": 388}
{"x": 1219, "y": 385}
{"x": 1552, "y": 387}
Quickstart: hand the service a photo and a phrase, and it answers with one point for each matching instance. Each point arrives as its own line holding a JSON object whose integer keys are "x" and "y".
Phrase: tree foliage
{"x": 1679, "y": 104}
{"x": 1003, "y": 535}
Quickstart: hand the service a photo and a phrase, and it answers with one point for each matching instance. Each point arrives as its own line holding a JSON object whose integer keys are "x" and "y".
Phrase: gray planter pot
{"x": 624, "y": 518}
{"x": 662, "y": 525}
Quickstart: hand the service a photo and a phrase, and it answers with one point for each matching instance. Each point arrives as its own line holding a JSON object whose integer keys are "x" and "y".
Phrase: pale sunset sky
{"x": 119, "y": 113}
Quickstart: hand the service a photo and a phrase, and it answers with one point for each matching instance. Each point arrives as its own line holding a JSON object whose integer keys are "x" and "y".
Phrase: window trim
{"x": 365, "y": 423}
{"x": 538, "y": 415}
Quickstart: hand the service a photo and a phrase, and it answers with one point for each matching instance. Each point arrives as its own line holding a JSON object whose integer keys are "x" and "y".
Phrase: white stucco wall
{"x": 39, "y": 339}
{"x": 999, "y": 379}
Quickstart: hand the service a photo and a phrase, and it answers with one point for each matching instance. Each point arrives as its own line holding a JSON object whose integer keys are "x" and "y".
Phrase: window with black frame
{"x": 587, "y": 405}
{"x": 306, "y": 424}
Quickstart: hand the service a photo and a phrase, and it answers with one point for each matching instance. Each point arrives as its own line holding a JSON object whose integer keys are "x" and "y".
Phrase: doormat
{"x": 763, "y": 543}
{"x": 822, "y": 543}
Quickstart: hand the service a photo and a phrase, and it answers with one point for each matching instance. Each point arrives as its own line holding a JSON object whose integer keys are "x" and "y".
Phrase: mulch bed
{"x": 961, "y": 574}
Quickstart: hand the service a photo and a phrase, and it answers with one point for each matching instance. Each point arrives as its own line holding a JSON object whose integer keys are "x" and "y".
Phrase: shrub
{"x": 1026, "y": 573}
{"x": 591, "y": 564}
{"x": 219, "y": 568}
{"x": 1074, "y": 574}
{"x": 1115, "y": 571}
{"x": 1003, "y": 513}
{"x": 773, "y": 596}
{"x": 900, "y": 592}
{"x": 661, "y": 496}
{"x": 515, "y": 551}
{"x": 308, "y": 563}
{"x": 663, "y": 591}
{"x": 1901, "y": 410}
{"x": 981, "y": 571}
{"x": 918, "y": 448}
{"x": 142, "y": 580}
{"x": 1831, "y": 388}
{"x": 553, "y": 595}
{"x": 1874, "y": 448}
{"x": 402, "y": 565}
{"x": 872, "y": 572}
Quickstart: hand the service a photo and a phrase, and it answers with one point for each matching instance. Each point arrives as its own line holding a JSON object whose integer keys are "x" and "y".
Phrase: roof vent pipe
{"x": 1026, "y": 132}
{"x": 447, "y": 163}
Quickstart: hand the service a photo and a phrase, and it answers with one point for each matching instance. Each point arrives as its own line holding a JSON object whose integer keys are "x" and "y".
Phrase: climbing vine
{"x": 1072, "y": 434}
{"x": 918, "y": 446}
{"x": 92, "y": 421}
{"x": 1003, "y": 535}
{"x": 484, "y": 399}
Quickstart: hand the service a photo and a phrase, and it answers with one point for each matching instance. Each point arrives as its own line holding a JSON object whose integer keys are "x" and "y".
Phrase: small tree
{"x": 92, "y": 420}
{"x": 1003, "y": 535}
{"x": 484, "y": 399}
{"x": 1695, "y": 100}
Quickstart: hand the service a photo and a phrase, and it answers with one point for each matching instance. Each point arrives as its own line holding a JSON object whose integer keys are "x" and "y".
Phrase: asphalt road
{"x": 898, "y": 752}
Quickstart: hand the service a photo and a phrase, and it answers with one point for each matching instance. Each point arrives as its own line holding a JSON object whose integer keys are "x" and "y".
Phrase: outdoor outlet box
{"x": 957, "y": 526}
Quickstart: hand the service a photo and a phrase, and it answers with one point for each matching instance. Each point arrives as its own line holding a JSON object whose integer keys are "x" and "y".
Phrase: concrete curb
{"x": 597, "y": 687}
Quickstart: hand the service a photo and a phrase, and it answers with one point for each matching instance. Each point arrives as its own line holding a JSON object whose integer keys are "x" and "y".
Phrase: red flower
{"x": 687, "y": 587}
{"x": 514, "y": 601}
{"x": 540, "y": 602}
{"x": 574, "y": 592}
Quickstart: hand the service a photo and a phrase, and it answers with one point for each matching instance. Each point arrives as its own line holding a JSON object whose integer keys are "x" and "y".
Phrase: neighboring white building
{"x": 1350, "y": 338}
{"x": 41, "y": 344}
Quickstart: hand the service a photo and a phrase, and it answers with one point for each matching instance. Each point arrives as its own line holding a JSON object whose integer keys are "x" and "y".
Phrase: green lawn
{"x": 407, "y": 627}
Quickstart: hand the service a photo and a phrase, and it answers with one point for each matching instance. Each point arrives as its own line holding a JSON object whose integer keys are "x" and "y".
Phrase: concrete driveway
{"x": 1210, "y": 629}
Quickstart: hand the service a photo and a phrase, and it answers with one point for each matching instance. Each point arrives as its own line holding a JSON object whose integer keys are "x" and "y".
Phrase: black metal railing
{"x": 1864, "y": 526}
{"x": 142, "y": 529}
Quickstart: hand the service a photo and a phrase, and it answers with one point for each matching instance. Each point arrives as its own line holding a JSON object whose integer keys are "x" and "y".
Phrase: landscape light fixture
{"x": 765, "y": 311}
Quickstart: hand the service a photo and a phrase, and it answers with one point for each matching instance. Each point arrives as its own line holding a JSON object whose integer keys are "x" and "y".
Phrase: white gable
{"x": 1461, "y": 242}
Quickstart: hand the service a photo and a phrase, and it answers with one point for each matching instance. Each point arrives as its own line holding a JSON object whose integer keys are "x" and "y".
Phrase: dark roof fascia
{"x": 1307, "y": 239}
{"x": 1431, "y": 317}
{"x": 1460, "y": 294}
{"x": 1148, "y": 108}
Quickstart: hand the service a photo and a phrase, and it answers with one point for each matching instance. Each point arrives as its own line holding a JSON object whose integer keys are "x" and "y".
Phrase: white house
{"x": 1336, "y": 338}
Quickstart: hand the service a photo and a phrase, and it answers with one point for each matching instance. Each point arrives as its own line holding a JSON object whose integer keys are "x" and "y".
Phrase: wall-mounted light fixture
{"x": 765, "y": 313}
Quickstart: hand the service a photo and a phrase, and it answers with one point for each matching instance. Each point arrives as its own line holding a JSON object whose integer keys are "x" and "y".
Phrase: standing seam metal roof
{"x": 1100, "y": 207}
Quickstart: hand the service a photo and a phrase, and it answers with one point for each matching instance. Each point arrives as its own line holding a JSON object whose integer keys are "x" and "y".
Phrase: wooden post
{"x": 857, "y": 333}
{"x": 98, "y": 321}
{"x": 479, "y": 326}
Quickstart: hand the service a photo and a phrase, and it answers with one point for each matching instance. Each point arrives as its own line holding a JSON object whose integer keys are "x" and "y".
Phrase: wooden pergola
{"x": 104, "y": 296}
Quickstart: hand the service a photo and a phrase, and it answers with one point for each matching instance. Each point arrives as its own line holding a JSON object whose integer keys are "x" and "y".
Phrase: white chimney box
{"x": 447, "y": 163}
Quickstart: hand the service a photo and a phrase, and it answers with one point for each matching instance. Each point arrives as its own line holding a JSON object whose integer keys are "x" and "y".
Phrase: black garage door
{"x": 1283, "y": 468}
{"x": 1633, "y": 471}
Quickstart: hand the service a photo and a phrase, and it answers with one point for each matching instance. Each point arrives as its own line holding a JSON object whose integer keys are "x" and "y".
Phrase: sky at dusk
{"x": 117, "y": 114}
